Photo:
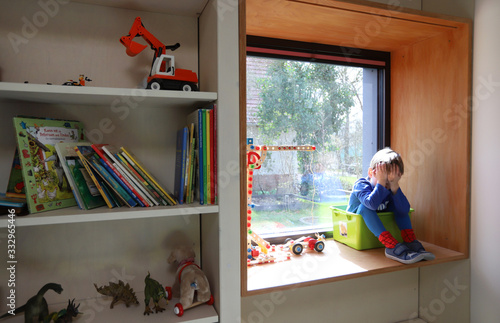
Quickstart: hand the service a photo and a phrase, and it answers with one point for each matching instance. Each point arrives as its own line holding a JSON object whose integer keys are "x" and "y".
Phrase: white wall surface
{"x": 458, "y": 8}
{"x": 375, "y": 299}
{"x": 485, "y": 264}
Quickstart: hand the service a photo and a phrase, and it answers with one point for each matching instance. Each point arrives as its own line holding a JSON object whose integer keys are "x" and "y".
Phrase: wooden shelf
{"x": 75, "y": 215}
{"x": 336, "y": 262}
{"x": 87, "y": 95}
{"x": 78, "y": 247}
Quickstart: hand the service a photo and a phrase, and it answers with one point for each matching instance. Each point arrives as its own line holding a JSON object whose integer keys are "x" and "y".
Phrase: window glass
{"x": 293, "y": 103}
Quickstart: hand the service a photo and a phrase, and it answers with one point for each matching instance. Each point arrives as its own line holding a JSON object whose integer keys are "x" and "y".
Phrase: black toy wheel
{"x": 297, "y": 249}
{"x": 319, "y": 246}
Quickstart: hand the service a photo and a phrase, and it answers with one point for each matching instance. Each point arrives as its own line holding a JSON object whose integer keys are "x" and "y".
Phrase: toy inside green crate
{"x": 350, "y": 228}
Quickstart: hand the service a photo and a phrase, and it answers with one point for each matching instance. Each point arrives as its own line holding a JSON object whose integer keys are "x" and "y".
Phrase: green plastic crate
{"x": 350, "y": 228}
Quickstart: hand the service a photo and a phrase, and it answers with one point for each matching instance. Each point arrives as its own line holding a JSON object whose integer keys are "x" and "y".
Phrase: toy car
{"x": 297, "y": 246}
{"x": 81, "y": 81}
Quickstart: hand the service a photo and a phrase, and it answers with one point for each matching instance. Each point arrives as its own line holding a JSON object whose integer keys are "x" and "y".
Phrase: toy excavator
{"x": 163, "y": 75}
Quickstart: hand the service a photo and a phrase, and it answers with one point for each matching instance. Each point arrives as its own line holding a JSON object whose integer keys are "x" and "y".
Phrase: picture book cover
{"x": 15, "y": 186}
{"x": 65, "y": 157}
{"x": 87, "y": 153}
{"x": 85, "y": 190}
{"x": 7, "y": 204}
{"x": 106, "y": 194}
{"x": 46, "y": 185}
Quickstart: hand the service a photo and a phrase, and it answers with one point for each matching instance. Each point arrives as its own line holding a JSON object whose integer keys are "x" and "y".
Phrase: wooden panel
{"x": 431, "y": 73}
{"x": 430, "y": 120}
{"x": 350, "y": 24}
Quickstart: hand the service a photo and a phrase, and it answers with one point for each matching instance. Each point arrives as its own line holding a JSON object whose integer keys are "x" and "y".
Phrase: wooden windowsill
{"x": 336, "y": 262}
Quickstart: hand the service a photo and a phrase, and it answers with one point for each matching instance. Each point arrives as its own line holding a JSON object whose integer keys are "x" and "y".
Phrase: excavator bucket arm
{"x": 133, "y": 48}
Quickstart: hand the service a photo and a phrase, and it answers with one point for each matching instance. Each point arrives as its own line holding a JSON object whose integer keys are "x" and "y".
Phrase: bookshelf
{"x": 77, "y": 248}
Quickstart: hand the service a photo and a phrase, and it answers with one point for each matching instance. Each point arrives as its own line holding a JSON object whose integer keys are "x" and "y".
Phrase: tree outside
{"x": 303, "y": 103}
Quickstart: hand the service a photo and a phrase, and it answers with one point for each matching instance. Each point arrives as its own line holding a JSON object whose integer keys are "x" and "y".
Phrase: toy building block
{"x": 256, "y": 155}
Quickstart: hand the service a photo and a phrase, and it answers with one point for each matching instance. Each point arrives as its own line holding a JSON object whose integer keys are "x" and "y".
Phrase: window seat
{"x": 336, "y": 262}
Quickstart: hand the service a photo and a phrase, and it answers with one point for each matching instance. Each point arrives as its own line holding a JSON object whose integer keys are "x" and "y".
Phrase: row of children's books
{"x": 196, "y": 158}
{"x": 54, "y": 167}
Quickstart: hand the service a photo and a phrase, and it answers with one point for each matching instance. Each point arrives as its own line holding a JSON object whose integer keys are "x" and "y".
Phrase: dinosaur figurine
{"x": 36, "y": 307}
{"x": 65, "y": 315}
{"x": 119, "y": 292}
{"x": 154, "y": 290}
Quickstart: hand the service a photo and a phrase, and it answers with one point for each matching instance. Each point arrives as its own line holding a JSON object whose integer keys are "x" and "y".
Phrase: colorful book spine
{"x": 93, "y": 161}
{"x": 180, "y": 164}
{"x": 192, "y": 163}
{"x": 139, "y": 190}
{"x": 215, "y": 156}
{"x": 201, "y": 150}
{"x": 205, "y": 154}
{"x": 97, "y": 183}
{"x": 212, "y": 155}
{"x": 118, "y": 176}
{"x": 208, "y": 153}
{"x": 157, "y": 185}
{"x": 164, "y": 199}
{"x": 112, "y": 178}
{"x": 141, "y": 181}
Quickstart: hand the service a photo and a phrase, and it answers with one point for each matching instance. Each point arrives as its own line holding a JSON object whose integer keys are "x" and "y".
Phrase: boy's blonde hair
{"x": 388, "y": 157}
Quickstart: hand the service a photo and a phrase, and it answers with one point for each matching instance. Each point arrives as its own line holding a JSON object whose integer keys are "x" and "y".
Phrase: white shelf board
{"x": 135, "y": 313}
{"x": 75, "y": 215}
{"x": 181, "y": 8}
{"x": 88, "y": 95}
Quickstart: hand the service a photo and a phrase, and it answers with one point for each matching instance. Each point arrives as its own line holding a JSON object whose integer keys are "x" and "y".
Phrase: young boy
{"x": 381, "y": 191}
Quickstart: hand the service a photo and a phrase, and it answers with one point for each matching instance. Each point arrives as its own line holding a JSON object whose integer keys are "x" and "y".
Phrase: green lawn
{"x": 310, "y": 214}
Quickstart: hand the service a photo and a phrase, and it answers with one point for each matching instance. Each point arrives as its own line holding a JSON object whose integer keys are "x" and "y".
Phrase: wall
{"x": 438, "y": 293}
{"x": 485, "y": 281}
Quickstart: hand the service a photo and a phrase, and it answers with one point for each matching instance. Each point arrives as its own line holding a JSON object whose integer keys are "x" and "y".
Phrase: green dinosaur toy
{"x": 65, "y": 315}
{"x": 154, "y": 290}
{"x": 119, "y": 292}
{"x": 36, "y": 307}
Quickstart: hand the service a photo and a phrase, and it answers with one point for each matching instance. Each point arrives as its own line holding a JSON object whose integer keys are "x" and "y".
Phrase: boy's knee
{"x": 363, "y": 210}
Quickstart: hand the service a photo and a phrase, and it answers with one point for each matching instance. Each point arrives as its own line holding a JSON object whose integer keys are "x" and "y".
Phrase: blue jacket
{"x": 376, "y": 198}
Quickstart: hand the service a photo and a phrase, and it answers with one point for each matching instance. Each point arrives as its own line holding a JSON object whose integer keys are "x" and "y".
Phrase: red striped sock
{"x": 387, "y": 239}
{"x": 408, "y": 235}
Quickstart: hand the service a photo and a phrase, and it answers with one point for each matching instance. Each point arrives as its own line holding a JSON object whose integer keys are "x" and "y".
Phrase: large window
{"x": 309, "y": 94}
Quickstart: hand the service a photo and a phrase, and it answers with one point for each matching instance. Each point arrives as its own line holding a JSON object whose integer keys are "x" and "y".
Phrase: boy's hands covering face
{"x": 388, "y": 176}
{"x": 380, "y": 173}
{"x": 393, "y": 177}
